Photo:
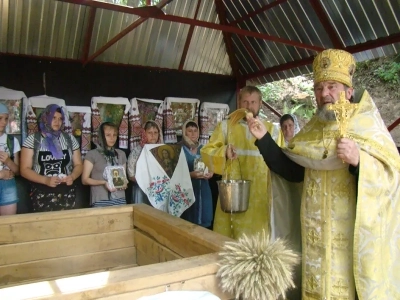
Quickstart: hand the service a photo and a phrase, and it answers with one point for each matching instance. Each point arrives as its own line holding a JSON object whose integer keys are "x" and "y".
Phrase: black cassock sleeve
{"x": 277, "y": 161}
{"x": 280, "y": 164}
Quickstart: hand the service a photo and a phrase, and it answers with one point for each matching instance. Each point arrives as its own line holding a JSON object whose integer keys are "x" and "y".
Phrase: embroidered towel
{"x": 168, "y": 187}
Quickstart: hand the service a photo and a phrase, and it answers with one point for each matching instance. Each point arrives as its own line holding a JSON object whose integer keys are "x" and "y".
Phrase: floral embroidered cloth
{"x": 163, "y": 175}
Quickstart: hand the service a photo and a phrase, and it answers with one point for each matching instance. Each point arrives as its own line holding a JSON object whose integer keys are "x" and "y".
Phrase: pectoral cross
{"x": 343, "y": 110}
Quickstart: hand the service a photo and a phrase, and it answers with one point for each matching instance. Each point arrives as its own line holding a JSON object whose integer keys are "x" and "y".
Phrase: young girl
{"x": 8, "y": 167}
{"x": 51, "y": 161}
{"x": 101, "y": 194}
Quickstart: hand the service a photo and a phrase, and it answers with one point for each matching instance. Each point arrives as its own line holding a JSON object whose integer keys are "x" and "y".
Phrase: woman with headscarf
{"x": 201, "y": 212}
{"x": 150, "y": 134}
{"x": 51, "y": 161}
{"x": 289, "y": 126}
{"x": 9, "y": 159}
{"x": 96, "y": 160}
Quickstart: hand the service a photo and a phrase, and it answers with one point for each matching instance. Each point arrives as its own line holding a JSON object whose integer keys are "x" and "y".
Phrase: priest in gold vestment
{"x": 350, "y": 204}
{"x": 231, "y": 153}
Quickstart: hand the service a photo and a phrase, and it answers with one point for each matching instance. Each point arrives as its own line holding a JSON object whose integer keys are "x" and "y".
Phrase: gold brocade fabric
{"x": 327, "y": 220}
{"x": 349, "y": 241}
{"x": 252, "y": 168}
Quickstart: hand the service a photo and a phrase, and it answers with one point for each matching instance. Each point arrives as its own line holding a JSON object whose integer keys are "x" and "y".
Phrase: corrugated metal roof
{"x": 354, "y": 22}
{"x": 58, "y": 29}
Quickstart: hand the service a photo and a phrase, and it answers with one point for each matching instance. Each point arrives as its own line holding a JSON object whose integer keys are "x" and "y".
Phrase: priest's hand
{"x": 256, "y": 127}
{"x": 231, "y": 152}
{"x": 347, "y": 151}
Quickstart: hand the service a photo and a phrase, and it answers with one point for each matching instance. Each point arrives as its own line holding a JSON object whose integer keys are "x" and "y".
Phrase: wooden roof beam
{"x": 257, "y": 11}
{"x": 171, "y": 18}
{"x": 324, "y": 19}
{"x": 239, "y": 31}
{"x": 124, "y": 32}
{"x": 252, "y": 53}
{"x": 384, "y": 41}
{"x": 88, "y": 35}
{"x": 220, "y": 7}
{"x": 393, "y": 125}
{"x": 279, "y": 68}
{"x": 188, "y": 38}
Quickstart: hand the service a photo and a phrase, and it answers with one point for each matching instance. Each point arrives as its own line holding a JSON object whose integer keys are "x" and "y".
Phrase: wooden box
{"x": 121, "y": 252}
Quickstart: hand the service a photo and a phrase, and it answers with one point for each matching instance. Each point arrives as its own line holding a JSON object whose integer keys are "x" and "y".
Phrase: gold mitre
{"x": 336, "y": 65}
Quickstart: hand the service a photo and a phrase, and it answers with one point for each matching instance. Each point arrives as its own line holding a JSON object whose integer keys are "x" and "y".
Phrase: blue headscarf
{"x": 51, "y": 137}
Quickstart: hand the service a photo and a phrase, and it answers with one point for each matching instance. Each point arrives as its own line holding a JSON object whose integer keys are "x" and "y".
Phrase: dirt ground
{"x": 386, "y": 96}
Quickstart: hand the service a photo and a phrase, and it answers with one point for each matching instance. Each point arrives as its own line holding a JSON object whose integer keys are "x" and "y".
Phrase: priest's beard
{"x": 326, "y": 115}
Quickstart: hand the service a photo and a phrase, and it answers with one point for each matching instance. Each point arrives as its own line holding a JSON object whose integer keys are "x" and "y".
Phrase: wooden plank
{"x": 43, "y": 229}
{"x": 66, "y": 214}
{"x": 143, "y": 259}
{"x": 73, "y": 276}
{"x": 149, "y": 251}
{"x": 180, "y": 236}
{"x": 133, "y": 279}
{"x": 207, "y": 283}
{"x": 83, "y": 244}
{"x": 57, "y": 267}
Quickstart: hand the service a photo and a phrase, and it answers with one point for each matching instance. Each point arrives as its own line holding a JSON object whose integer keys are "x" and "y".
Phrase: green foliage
{"x": 120, "y": 2}
{"x": 291, "y": 110}
{"x": 143, "y": 2}
{"x": 363, "y": 65}
{"x": 305, "y": 112}
{"x": 307, "y": 87}
{"x": 389, "y": 73}
{"x": 282, "y": 96}
{"x": 271, "y": 91}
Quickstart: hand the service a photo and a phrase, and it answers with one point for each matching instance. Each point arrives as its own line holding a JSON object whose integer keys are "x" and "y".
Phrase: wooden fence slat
{"x": 62, "y": 247}
{"x": 51, "y": 229}
{"x": 174, "y": 233}
{"x": 149, "y": 251}
{"x": 66, "y": 214}
{"x": 66, "y": 266}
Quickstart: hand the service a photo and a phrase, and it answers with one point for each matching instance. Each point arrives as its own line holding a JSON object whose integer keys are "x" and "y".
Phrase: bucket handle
{"x": 231, "y": 162}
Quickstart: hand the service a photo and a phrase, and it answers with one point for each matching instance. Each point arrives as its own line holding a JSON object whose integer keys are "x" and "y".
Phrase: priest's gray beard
{"x": 326, "y": 115}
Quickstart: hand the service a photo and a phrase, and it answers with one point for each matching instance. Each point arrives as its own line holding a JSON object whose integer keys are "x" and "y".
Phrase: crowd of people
{"x": 342, "y": 218}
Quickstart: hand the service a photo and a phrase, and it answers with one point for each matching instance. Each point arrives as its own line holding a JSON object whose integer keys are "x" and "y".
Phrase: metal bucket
{"x": 234, "y": 195}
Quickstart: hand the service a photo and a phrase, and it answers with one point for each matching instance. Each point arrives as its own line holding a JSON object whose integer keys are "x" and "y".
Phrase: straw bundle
{"x": 256, "y": 268}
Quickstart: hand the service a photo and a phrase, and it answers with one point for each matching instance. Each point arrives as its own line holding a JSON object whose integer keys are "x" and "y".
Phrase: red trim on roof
{"x": 88, "y": 35}
{"x": 188, "y": 38}
{"x": 220, "y": 8}
{"x": 172, "y": 18}
{"x": 324, "y": 19}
